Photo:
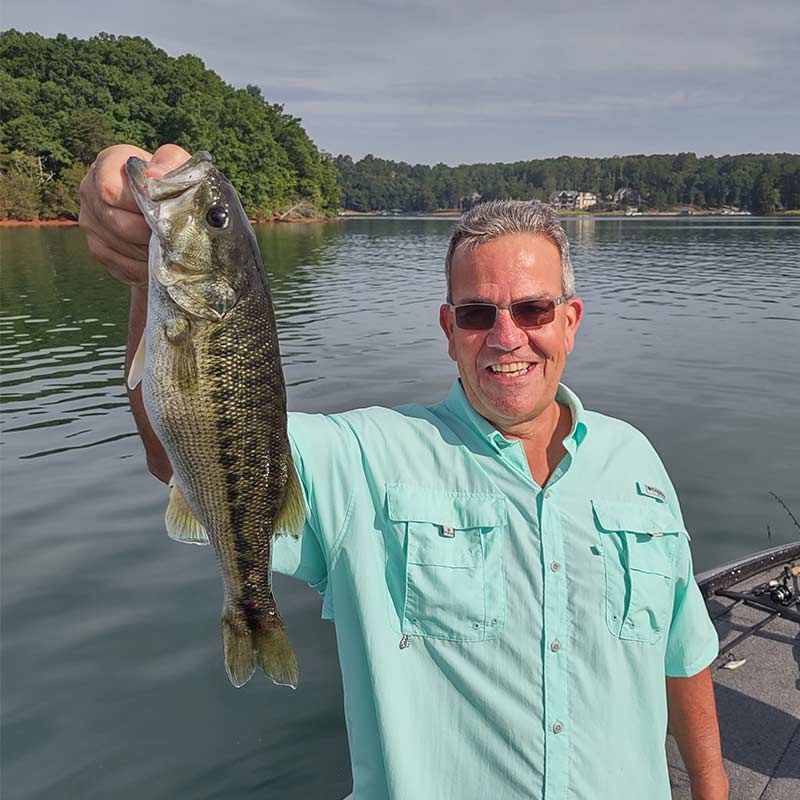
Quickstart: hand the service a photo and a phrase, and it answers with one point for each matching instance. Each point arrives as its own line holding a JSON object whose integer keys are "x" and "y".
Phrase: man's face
{"x": 502, "y": 271}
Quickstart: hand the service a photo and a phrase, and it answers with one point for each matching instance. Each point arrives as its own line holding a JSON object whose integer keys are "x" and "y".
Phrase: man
{"x": 509, "y": 573}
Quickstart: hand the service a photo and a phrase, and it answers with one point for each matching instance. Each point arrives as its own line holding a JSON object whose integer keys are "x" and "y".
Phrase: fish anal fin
{"x": 182, "y": 525}
{"x": 136, "y": 370}
{"x": 292, "y": 515}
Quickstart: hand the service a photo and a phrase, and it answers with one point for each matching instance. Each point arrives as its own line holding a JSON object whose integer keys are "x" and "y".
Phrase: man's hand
{"x": 693, "y": 723}
{"x": 115, "y": 229}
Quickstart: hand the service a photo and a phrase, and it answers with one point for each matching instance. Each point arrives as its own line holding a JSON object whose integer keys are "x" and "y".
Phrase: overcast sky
{"x": 466, "y": 81}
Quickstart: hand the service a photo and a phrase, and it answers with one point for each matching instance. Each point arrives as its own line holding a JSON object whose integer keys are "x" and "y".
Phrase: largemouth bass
{"x": 214, "y": 393}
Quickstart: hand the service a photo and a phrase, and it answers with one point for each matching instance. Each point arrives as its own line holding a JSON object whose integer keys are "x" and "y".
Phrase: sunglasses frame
{"x": 556, "y": 301}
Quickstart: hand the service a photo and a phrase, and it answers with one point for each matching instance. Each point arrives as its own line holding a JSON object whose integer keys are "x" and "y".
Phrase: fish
{"x": 213, "y": 389}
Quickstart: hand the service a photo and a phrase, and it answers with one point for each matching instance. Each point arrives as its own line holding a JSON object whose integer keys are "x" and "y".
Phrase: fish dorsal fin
{"x": 182, "y": 525}
{"x": 292, "y": 515}
{"x": 136, "y": 371}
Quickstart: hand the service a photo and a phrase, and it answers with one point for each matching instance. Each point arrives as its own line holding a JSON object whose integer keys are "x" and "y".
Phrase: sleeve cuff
{"x": 710, "y": 652}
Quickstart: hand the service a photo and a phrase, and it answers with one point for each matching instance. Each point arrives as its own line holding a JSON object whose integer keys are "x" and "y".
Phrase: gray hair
{"x": 496, "y": 218}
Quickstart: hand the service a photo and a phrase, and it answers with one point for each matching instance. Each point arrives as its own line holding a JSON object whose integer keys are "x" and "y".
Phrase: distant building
{"x": 627, "y": 197}
{"x": 573, "y": 200}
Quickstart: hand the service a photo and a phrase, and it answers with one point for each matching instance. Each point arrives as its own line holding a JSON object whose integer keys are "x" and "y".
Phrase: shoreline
{"x": 57, "y": 223}
{"x": 446, "y": 214}
{"x": 71, "y": 223}
{"x": 451, "y": 214}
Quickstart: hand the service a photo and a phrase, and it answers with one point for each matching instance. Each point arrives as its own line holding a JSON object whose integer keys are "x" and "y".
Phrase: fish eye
{"x": 217, "y": 217}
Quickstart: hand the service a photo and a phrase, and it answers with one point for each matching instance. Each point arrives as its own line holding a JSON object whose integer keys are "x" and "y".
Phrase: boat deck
{"x": 758, "y": 705}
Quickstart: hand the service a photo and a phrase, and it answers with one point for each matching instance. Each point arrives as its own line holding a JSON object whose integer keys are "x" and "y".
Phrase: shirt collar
{"x": 458, "y": 404}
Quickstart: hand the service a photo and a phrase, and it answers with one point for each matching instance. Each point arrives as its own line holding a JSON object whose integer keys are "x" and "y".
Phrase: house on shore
{"x": 573, "y": 200}
{"x": 627, "y": 197}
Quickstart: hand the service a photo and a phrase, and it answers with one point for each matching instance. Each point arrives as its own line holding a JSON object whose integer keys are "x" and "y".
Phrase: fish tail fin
{"x": 238, "y": 641}
{"x": 292, "y": 515}
{"x": 274, "y": 653}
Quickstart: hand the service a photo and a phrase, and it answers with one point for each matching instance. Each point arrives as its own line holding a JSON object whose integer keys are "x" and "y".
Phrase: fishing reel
{"x": 780, "y": 591}
{"x": 782, "y": 595}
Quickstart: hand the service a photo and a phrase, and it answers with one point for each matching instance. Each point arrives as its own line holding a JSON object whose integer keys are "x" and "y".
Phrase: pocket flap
{"x": 645, "y": 517}
{"x": 406, "y": 503}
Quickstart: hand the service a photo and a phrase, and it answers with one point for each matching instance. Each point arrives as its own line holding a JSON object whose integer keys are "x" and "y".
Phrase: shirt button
{"x": 555, "y": 566}
{"x": 555, "y": 646}
{"x": 547, "y": 495}
{"x": 557, "y": 727}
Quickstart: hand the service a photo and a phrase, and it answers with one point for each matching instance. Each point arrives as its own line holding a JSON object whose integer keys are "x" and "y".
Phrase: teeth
{"x": 517, "y": 367}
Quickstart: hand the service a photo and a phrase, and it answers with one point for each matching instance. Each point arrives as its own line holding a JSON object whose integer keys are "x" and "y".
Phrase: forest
{"x": 761, "y": 184}
{"x": 63, "y": 99}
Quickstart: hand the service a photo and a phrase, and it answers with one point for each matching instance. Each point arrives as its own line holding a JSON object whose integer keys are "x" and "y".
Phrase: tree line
{"x": 62, "y": 100}
{"x": 761, "y": 184}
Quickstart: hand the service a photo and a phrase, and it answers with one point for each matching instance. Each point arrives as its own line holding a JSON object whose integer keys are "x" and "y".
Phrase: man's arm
{"x": 157, "y": 458}
{"x": 693, "y": 723}
{"x": 118, "y": 238}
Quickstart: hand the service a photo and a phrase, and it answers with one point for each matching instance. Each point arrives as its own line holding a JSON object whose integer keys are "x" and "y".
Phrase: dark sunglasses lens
{"x": 475, "y": 316}
{"x": 532, "y": 313}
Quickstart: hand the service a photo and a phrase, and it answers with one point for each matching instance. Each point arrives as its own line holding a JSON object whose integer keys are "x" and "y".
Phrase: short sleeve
{"x": 692, "y": 643}
{"x": 325, "y": 455}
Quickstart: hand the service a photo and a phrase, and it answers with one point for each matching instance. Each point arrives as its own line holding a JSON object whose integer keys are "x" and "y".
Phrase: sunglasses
{"x": 525, "y": 313}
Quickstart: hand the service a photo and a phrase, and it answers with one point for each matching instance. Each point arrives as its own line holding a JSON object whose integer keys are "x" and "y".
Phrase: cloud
{"x": 460, "y": 81}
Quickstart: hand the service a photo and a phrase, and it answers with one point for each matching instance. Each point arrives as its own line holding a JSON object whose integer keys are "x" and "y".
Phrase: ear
{"x": 574, "y": 315}
{"x": 446, "y": 324}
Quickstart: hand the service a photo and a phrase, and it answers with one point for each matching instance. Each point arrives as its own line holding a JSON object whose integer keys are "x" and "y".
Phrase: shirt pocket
{"x": 638, "y": 543}
{"x": 454, "y": 583}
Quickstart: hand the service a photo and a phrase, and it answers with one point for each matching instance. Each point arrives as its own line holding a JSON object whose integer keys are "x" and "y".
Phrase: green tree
{"x": 766, "y": 196}
{"x": 62, "y": 100}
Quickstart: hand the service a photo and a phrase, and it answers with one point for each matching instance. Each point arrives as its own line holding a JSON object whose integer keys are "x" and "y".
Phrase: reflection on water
{"x": 113, "y": 680}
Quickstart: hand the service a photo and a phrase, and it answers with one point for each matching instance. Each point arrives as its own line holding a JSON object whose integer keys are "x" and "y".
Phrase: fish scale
{"x": 214, "y": 393}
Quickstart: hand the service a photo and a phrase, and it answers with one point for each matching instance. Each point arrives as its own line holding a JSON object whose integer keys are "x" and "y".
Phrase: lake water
{"x": 113, "y": 683}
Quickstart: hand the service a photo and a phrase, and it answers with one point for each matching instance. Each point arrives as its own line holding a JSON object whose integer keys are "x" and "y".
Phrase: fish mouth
{"x": 149, "y": 192}
{"x": 135, "y": 169}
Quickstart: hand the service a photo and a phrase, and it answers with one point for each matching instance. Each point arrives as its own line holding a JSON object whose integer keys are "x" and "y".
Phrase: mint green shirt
{"x": 497, "y": 639}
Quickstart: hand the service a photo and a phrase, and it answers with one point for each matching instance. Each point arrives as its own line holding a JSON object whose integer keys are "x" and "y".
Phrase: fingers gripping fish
{"x": 213, "y": 389}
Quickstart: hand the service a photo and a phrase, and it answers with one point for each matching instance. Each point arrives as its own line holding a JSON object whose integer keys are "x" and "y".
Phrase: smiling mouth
{"x": 513, "y": 369}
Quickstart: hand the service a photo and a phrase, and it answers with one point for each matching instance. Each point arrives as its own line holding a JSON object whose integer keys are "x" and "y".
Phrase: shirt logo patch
{"x": 651, "y": 491}
{"x": 448, "y": 533}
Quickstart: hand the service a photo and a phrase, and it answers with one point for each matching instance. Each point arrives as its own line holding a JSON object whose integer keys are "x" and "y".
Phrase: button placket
{"x": 556, "y": 621}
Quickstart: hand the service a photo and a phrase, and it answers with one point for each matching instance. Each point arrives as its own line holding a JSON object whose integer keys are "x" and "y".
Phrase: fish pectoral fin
{"x": 178, "y": 333}
{"x": 136, "y": 371}
{"x": 182, "y": 525}
{"x": 292, "y": 515}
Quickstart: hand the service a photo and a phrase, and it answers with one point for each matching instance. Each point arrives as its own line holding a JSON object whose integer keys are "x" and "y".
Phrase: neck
{"x": 540, "y": 430}
{"x": 542, "y": 440}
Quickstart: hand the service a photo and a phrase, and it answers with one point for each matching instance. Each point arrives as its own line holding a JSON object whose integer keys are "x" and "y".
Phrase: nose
{"x": 505, "y": 334}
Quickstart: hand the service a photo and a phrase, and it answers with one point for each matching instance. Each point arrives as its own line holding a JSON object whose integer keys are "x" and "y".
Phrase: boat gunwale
{"x": 712, "y": 581}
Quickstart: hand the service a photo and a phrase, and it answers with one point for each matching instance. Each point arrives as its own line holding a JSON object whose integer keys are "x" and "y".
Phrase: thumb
{"x": 165, "y": 159}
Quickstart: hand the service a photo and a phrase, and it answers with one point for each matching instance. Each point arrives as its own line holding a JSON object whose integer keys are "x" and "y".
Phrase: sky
{"x": 507, "y": 80}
